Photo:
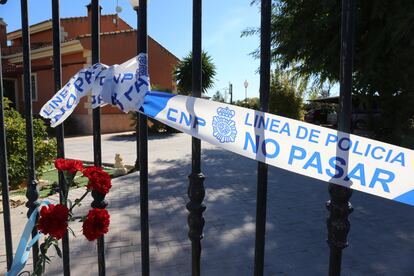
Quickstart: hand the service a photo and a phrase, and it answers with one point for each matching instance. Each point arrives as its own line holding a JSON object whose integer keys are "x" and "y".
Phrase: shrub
{"x": 285, "y": 97}
{"x": 154, "y": 126}
{"x": 251, "y": 103}
{"x": 45, "y": 149}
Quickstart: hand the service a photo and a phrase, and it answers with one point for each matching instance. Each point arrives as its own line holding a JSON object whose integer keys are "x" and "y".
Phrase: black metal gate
{"x": 339, "y": 207}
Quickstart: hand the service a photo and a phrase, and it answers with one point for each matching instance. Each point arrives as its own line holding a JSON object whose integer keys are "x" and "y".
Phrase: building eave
{"x": 37, "y": 28}
{"x": 47, "y": 25}
{"x": 69, "y": 47}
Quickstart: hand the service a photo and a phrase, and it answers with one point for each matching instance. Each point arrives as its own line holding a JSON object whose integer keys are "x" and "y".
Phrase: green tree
{"x": 315, "y": 93}
{"x": 251, "y": 103}
{"x": 218, "y": 97}
{"x": 306, "y": 36}
{"x": 286, "y": 93}
{"x": 183, "y": 73}
{"x": 45, "y": 149}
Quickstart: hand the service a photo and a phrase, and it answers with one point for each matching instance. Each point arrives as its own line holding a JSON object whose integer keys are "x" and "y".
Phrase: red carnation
{"x": 99, "y": 180}
{"x": 71, "y": 166}
{"x": 60, "y": 164}
{"x": 96, "y": 224}
{"x": 53, "y": 220}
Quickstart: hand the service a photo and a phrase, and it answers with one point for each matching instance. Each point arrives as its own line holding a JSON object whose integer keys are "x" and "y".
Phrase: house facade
{"x": 118, "y": 43}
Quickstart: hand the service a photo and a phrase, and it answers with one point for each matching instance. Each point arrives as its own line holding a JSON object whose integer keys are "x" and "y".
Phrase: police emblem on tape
{"x": 224, "y": 128}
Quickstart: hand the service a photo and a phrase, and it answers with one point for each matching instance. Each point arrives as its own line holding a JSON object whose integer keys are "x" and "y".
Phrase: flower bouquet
{"x": 54, "y": 219}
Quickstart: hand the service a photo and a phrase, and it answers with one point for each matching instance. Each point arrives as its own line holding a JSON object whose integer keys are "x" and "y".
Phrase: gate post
{"x": 143, "y": 148}
{"x": 57, "y": 71}
{"x": 98, "y": 198}
{"x": 4, "y": 177}
{"x": 339, "y": 205}
{"x": 138, "y": 119}
{"x": 261, "y": 201}
{"x": 196, "y": 189}
{"x": 31, "y": 193}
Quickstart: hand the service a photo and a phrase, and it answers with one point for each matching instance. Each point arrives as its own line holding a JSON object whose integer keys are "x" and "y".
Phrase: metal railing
{"x": 32, "y": 193}
{"x": 339, "y": 207}
{"x": 57, "y": 65}
{"x": 142, "y": 44}
{"x": 5, "y": 178}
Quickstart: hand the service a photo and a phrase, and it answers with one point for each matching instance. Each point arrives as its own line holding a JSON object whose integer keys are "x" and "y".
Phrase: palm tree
{"x": 183, "y": 73}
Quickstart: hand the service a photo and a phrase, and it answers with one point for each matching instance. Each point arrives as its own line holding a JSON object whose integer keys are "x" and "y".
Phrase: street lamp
{"x": 231, "y": 92}
{"x": 246, "y": 84}
{"x": 134, "y": 4}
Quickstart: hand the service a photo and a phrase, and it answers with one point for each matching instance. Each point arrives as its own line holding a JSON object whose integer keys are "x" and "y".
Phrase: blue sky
{"x": 169, "y": 22}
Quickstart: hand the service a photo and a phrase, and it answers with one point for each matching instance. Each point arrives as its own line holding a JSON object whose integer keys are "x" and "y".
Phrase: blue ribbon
{"x": 23, "y": 250}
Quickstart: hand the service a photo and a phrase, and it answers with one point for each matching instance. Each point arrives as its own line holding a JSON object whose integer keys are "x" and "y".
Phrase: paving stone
{"x": 381, "y": 238}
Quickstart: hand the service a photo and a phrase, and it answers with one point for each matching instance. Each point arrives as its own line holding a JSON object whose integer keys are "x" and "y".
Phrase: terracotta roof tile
{"x": 128, "y": 31}
{"x": 109, "y": 33}
{"x": 81, "y": 17}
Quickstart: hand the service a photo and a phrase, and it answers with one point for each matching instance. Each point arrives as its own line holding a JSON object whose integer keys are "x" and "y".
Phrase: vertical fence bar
{"x": 339, "y": 205}
{"x": 265, "y": 30}
{"x": 137, "y": 126}
{"x": 31, "y": 193}
{"x": 57, "y": 73}
{"x": 98, "y": 199}
{"x": 4, "y": 178}
{"x": 97, "y": 148}
{"x": 196, "y": 191}
{"x": 143, "y": 148}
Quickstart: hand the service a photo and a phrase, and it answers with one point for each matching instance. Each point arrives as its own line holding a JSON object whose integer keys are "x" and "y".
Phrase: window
{"x": 34, "y": 86}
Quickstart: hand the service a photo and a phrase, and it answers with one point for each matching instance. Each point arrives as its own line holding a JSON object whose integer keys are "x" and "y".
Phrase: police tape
{"x": 122, "y": 85}
{"x": 348, "y": 160}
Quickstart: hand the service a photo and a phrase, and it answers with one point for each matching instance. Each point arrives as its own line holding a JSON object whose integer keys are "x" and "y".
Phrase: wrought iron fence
{"x": 339, "y": 207}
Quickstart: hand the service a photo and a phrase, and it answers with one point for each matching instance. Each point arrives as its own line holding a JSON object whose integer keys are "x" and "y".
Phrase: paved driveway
{"x": 381, "y": 237}
{"x": 160, "y": 147}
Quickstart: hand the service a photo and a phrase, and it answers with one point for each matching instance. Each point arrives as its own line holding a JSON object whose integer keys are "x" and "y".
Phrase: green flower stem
{"x": 77, "y": 201}
{"x": 43, "y": 258}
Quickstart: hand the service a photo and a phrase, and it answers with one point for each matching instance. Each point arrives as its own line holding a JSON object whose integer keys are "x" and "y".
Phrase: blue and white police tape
{"x": 24, "y": 247}
{"x": 122, "y": 85}
{"x": 348, "y": 160}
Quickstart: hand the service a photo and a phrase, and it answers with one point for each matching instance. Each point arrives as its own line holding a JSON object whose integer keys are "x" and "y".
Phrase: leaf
{"x": 71, "y": 231}
{"x": 38, "y": 271}
{"x": 38, "y": 268}
{"x": 58, "y": 250}
{"x": 43, "y": 248}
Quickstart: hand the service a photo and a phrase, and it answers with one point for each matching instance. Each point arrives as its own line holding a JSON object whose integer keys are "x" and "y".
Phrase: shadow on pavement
{"x": 381, "y": 237}
{"x": 132, "y": 137}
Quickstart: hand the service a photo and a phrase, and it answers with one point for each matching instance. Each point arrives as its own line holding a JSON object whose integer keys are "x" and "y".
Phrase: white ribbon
{"x": 348, "y": 160}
